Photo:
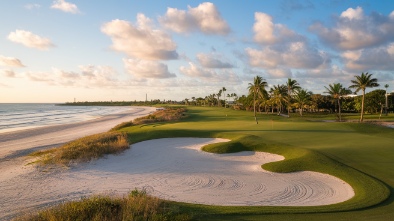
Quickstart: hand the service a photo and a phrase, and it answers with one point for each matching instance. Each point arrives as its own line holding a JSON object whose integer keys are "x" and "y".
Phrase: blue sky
{"x": 55, "y": 51}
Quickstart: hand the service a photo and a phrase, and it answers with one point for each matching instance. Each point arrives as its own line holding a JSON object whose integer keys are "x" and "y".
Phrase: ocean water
{"x": 23, "y": 116}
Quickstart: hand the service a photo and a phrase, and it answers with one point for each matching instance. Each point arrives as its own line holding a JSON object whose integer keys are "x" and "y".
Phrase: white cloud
{"x": 140, "y": 40}
{"x": 205, "y": 18}
{"x": 295, "y": 55}
{"x": 195, "y": 71}
{"x": 30, "y": 40}
{"x": 10, "y": 62}
{"x": 88, "y": 76}
{"x": 279, "y": 73}
{"x": 282, "y": 48}
{"x": 147, "y": 69}
{"x": 209, "y": 75}
{"x": 354, "y": 30}
{"x": 65, "y": 6}
{"x": 213, "y": 61}
{"x": 378, "y": 58}
{"x": 32, "y": 6}
{"x": 351, "y": 13}
{"x": 266, "y": 32}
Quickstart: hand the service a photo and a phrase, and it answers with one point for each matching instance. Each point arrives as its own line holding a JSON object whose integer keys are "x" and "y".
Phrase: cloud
{"x": 195, "y": 71}
{"x": 297, "y": 55}
{"x": 40, "y": 77}
{"x": 147, "y": 69}
{"x": 10, "y": 62}
{"x": 209, "y": 75}
{"x": 213, "y": 61}
{"x": 8, "y": 73}
{"x": 378, "y": 58}
{"x": 65, "y": 6}
{"x": 266, "y": 32}
{"x": 88, "y": 76}
{"x": 204, "y": 18}
{"x": 282, "y": 48}
{"x": 30, "y": 40}
{"x": 353, "y": 30}
{"x": 350, "y": 13}
{"x": 140, "y": 40}
{"x": 32, "y": 6}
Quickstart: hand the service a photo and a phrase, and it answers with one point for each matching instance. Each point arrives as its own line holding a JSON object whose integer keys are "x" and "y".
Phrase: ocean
{"x": 15, "y": 117}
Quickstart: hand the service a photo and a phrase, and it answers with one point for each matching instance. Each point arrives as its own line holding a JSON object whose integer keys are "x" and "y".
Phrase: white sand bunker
{"x": 176, "y": 169}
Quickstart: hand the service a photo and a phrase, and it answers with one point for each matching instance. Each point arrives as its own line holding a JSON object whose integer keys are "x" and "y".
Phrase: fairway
{"x": 360, "y": 154}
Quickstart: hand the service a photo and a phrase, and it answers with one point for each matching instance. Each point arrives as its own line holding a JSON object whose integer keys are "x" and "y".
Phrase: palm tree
{"x": 224, "y": 94}
{"x": 219, "y": 94}
{"x": 257, "y": 89}
{"x": 361, "y": 83}
{"x": 336, "y": 91}
{"x": 302, "y": 97}
{"x": 278, "y": 96}
{"x": 386, "y": 86}
{"x": 291, "y": 85}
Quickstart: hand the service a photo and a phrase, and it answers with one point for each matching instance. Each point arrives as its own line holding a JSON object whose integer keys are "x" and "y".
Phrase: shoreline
{"x": 22, "y": 142}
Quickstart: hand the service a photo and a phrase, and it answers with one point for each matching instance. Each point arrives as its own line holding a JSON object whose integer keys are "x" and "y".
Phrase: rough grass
{"x": 84, "y": 149}
{"x": 136, "y": 206}
{"x": 168, "y": 114}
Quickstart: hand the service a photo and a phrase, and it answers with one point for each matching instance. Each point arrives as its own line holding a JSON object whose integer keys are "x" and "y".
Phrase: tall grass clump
{"x": 136, "y": 206}
{"x": 168, "y": 114}
{"x": 84, "y": 149}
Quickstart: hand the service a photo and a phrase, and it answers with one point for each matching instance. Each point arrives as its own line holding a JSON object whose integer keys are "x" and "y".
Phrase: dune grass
{"x": 136, "y": 206}
{"x": 83, "y": 149}
{"x": 359, "y": 153}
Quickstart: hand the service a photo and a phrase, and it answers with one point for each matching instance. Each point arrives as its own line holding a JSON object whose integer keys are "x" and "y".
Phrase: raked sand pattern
{"x": 176, "y": 169}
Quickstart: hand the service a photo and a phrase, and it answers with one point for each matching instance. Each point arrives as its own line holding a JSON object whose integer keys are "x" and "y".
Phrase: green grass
{"x": 83, "y": 149}
{"x": 361, "y": 154}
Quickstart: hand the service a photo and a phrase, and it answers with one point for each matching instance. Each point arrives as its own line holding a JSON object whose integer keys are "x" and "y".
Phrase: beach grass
{"x": 359, "y": 153}
{"x": 83, "y": 149}
{"x": 137, "y": 205}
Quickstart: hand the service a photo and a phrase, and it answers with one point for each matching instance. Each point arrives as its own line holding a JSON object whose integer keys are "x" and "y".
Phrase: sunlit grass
{"x": 84, "y": 149}
{"x": 136, "y": 206}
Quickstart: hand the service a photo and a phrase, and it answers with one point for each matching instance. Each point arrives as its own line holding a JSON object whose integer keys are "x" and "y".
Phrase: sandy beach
{"x": 174, "y": 169}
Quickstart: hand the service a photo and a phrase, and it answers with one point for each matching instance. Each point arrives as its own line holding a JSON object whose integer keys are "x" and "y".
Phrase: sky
{"x": 55, "y": 51}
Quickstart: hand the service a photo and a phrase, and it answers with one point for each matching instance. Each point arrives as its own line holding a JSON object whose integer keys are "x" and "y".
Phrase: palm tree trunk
{"x": 362, "y": 107}
{"x": 339, "y": 109}
{"x": 254, "y": 108}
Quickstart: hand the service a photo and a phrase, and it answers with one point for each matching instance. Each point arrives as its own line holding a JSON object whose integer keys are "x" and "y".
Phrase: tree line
{"x": 290, "y": 97}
